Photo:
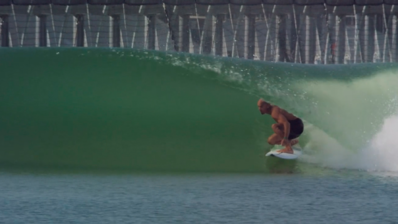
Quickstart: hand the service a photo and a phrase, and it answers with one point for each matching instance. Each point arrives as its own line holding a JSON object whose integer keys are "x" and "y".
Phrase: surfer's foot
{"x": 294, "y": 141}
{"x": 286, "y": 150}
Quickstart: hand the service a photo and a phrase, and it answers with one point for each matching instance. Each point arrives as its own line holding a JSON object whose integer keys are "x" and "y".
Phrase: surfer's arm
{"x": 286, "y": 126}
{"x": 281, "y": 119}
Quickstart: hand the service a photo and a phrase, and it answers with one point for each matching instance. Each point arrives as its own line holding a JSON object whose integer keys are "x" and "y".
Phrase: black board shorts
{"x": 296, "y": 128}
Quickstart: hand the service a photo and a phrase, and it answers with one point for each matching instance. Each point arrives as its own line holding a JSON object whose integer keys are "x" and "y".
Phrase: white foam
{"x": 379, "y": 154}
{"x": 325, "y": 151}
{"x": 382, "y": 152}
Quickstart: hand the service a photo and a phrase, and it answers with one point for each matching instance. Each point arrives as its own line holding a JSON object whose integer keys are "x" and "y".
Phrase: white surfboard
{"x": 296, "y": 149}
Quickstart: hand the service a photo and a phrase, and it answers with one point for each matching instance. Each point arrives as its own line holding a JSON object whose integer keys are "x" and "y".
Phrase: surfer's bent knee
{"x": 270, "y": 140}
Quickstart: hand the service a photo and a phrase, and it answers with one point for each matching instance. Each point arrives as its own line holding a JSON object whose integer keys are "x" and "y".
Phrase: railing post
{"x": 42, "y": 31}
{"x": 115, "y": 31}
{"x": 79, "y": 31}
{"x": 251, "y": 32}
{"x": 151, "y": 31}
{"x": 184, "y": 33}
{"x": 4, "y": 31}
{"x": 219, "y": 34}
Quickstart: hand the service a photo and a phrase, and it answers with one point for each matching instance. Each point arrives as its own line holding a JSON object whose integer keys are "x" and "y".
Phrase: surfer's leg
{"x": 278, "y": 129}
{"x": 289, "y": 149}
{"x": 293, "y": 138}
{"x": 274, "y": 139}
{"x": 294, "y": 141}
{"x": 296, "y": 129}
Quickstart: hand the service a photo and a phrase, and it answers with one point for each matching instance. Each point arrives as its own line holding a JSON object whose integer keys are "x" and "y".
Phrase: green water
{"x": 155, "y": 111}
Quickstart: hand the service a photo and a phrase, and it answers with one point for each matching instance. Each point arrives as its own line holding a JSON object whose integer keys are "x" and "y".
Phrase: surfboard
{"x": 296, "y": 149}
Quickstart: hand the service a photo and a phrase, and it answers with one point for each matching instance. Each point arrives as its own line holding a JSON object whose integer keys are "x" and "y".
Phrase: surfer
{"x": 287, "y": 129}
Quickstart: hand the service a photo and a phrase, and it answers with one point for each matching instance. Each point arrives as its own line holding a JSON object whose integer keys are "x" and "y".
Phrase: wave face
{"x": 158, "y": 111}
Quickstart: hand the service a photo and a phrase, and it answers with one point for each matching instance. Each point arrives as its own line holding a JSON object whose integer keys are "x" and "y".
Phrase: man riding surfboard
{"x": 287, "y": 129}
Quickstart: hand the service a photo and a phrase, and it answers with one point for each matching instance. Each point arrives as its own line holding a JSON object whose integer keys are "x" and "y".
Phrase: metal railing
{"x": 300, "y": 31}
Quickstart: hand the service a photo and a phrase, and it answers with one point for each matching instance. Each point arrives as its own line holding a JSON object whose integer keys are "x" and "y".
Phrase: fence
{"x": 300, "y": 31}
